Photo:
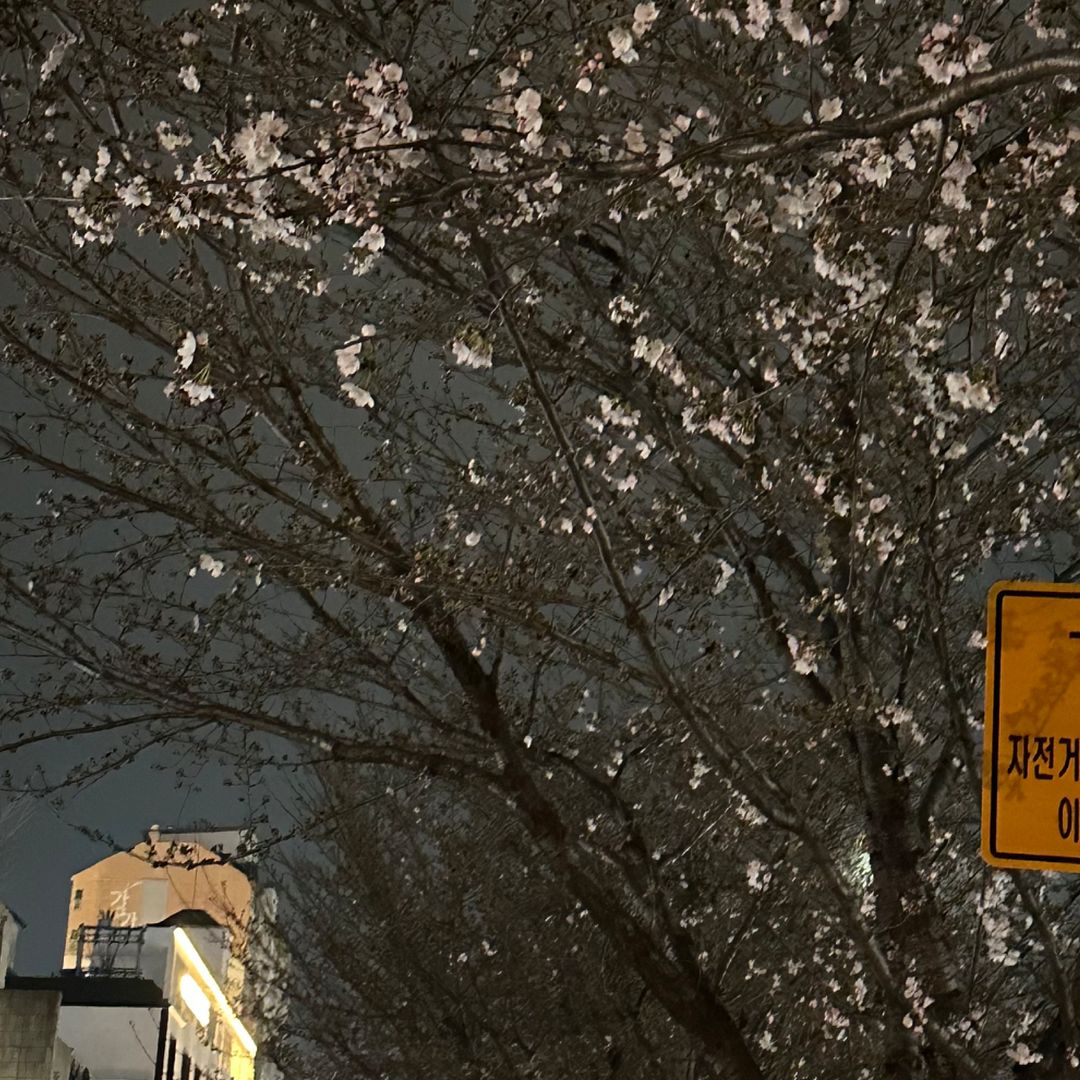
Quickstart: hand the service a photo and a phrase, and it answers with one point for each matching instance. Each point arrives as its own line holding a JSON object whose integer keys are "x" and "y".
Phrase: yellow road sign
{"x": 1031, "y": 745}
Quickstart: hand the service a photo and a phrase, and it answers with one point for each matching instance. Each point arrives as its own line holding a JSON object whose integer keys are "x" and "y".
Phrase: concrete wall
{"x": 63, "y": 1060}
{"x": 28, "y": 1022}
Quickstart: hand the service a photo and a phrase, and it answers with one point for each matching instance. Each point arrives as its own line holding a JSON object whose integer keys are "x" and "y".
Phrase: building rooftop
{"x": 189, "y": 917}
{"x": 236, "y": 844}
{"x": 13, "y": 913}
{"x": 204, "y": 827}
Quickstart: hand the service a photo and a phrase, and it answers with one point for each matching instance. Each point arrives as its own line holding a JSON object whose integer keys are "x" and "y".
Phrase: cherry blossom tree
{"x": 609, "y": 413}
{"x": 410, "y": 921}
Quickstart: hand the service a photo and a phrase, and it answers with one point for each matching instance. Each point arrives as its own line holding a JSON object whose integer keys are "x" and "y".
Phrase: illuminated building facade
{"x": 166, "y": 1019}
{"x": 147, "y": 1004}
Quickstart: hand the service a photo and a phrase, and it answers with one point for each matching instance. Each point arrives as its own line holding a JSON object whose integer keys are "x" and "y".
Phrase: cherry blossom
{"x": 360, "y": 397}
{"x": 257, "y": 142}
{"x": 56, "y": 56}
{"x": 527, "y": 107}
{"x": 830, "y": 109}
{"x": 476, "y": 354}
{"x": 622, "y": 45}
{"x": 188, "y": 79}
{"x": 644, "y": 17}
{"x": 214, "y": 567}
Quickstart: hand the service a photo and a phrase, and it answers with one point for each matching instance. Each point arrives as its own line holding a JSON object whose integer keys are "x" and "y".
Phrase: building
{"x": 147, "y": 1004}
{"x": 30, "y": 1048}
{"x": 171, "y": 871}
{"x": 168, "y": 946}
{"x": 9, "y": 930}
{"x": 198, "y": 868}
